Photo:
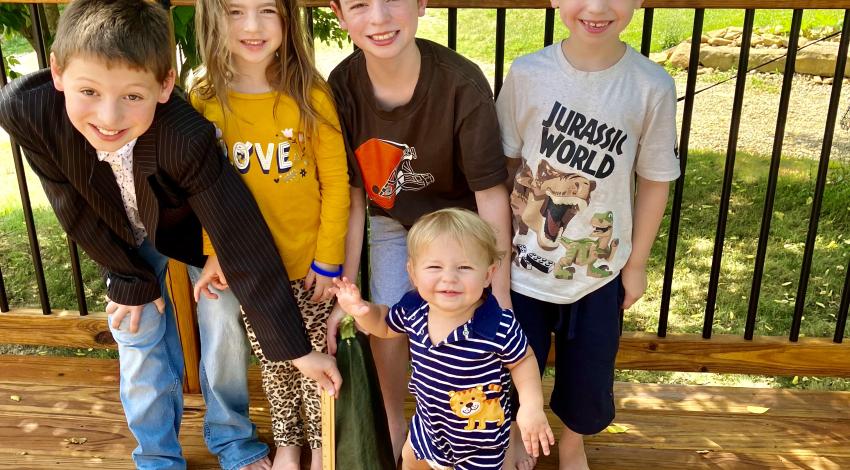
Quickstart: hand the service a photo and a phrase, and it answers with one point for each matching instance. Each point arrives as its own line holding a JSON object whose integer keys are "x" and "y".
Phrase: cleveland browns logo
{"x": 386, "y": 170}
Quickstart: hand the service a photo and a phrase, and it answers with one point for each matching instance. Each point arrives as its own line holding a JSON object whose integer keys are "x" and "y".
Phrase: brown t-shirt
{"x": 430, "y": 153}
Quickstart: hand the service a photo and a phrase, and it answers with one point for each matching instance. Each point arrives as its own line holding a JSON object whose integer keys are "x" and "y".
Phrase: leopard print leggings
{"x": 290, "y": 394}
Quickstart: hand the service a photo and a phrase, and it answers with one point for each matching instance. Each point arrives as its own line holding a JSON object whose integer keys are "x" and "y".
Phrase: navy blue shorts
{"x": 587, "y": 335}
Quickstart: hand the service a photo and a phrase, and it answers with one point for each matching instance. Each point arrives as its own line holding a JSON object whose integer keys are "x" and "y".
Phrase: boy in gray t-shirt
{"x": 591, "y": 125}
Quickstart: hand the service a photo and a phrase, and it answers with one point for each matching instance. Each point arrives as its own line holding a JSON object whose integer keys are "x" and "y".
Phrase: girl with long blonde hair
{"x": 278, "y": 127}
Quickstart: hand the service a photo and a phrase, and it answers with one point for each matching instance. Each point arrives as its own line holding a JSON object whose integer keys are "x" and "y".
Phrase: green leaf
{"x": 615, "y": 428}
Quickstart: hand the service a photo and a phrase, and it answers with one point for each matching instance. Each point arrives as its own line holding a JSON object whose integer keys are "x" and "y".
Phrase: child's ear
{"x": 167, "y": 86}
{"x": 56, "y": 72}
{"x": 337, "y": 9}
{"x": 554, "y": 3}
{"x": 491, "y": 271}
{"x": 422, "y": 5}
{"x": 410, "y": 273}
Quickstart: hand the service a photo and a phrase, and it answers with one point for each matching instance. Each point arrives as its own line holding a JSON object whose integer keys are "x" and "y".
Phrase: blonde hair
{"x": 462, "y": 225}
{"x": 292, "y": 73}
{"x": 131, "y": 32}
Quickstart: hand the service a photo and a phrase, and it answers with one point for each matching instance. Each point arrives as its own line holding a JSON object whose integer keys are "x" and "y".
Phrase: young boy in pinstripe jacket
{"x": 132, "y": 173}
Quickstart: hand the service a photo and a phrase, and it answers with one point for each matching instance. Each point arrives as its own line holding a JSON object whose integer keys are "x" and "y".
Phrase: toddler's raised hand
{"x": 535, "y": 430}
{"x": 348, "y": 297}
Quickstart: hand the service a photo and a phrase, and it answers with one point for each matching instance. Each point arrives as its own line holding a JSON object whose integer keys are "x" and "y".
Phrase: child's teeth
{"x": 383, "y": 37}
{"x": 107, "y": 131}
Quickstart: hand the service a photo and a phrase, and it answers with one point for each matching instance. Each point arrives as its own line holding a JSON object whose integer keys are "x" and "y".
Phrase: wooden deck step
{"x": 669, "y": 426}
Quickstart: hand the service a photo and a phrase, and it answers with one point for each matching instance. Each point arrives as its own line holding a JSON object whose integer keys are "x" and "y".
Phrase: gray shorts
{"x": 388, "y": 280}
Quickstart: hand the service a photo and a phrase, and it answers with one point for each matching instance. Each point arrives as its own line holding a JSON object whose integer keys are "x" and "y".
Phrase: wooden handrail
{"x": 733, "y": 4}
{"x": 767, "y": 355}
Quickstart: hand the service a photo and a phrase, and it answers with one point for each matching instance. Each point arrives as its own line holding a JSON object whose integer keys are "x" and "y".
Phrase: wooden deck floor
{"x": 62, "y": 400}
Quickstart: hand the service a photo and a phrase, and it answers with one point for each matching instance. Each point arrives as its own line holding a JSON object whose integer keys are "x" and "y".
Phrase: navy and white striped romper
{"x": 472, "y": 356}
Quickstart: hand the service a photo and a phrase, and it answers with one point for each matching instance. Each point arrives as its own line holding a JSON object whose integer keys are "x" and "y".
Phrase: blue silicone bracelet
{"x": 322, "y": 272}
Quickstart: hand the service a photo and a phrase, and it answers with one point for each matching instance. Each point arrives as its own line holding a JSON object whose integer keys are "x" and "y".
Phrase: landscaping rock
{"x": 719, "y": 41}
{"x": 660, "y": 57}
{"x": 680, "y": 55}
{"x": 817, "y": 59}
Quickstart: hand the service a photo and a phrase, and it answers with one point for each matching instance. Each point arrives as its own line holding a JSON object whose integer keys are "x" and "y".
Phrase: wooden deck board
{"x": 670, "y": 426}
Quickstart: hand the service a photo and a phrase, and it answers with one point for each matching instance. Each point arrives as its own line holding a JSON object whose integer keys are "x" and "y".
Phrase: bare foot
{"x": 316, "y": 459}
{"x": 287, "y": 458}
{"x": 262, "y": 464}
{"x": 517, "y": 458}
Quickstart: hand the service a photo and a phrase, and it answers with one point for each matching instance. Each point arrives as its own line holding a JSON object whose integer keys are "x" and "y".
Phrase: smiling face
{"x": 110, "y": 104}
{"x": 450, "y": 276}
{"x": 596, "y": 22}
{"x": 383, "y": 29}
{"x": 255, "y": 33}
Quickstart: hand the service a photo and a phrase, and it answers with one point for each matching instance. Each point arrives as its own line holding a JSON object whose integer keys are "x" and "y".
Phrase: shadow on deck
{"x": 68, "y": 400}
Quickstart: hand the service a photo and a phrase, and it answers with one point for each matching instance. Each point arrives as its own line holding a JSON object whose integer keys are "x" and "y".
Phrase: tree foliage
{"x": 184, "y": 37}
{"x": 15, "y": 19}
{"x": 326, "y": 28}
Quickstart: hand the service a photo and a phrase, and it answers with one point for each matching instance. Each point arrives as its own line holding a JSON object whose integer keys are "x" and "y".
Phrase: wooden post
{"x": 180, "y": 291}
{"x": 328, "y": 432}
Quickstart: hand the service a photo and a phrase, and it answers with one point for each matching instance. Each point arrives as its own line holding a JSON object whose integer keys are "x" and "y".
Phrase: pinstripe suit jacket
{"x": 182, "y": 182}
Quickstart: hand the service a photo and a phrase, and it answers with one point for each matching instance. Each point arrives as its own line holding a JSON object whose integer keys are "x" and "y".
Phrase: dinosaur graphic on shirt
{"x": 587, "y": 251}
{"x": 547, "y": 201}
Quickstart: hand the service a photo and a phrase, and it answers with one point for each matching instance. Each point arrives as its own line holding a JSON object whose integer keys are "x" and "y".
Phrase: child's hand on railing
{"x": 349, "y": 299}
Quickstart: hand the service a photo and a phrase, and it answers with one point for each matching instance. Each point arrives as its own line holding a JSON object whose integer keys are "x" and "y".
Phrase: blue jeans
{"x": 151, "y": 364}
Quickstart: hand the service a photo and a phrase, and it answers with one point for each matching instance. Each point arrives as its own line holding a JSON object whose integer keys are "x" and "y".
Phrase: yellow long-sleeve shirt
{"x": 300, "y": 182}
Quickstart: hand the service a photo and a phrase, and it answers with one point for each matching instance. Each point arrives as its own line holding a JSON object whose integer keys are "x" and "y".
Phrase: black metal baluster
{"x": 26, "y": 205}
{"x": 31, "y": 233}
{"x": 820, "y": 184}
{"x": 675, "y": 215}
{"x": 549, "y": 27}
{"x": 77, "y": 275}
{"x": 452, "y": 39}
{"x": 4, "y": 299}
{"x": 500, "y": 50}
{"x": 646, "y": 37}
{"x": 728, "y": 174}
{"x": 773, "y": 173}
{"x": 841, "y": 321}
{"x": 38, "y": 34}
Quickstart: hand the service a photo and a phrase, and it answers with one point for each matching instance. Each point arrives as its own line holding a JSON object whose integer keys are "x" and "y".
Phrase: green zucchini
{"x": 361, "y": 432}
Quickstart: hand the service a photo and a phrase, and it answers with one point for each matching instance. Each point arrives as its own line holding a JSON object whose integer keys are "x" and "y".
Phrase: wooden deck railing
{"x": 708, "y": 352}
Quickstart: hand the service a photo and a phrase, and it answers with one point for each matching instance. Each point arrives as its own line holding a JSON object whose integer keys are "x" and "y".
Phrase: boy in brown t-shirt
{"x": 422, "y": 134}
